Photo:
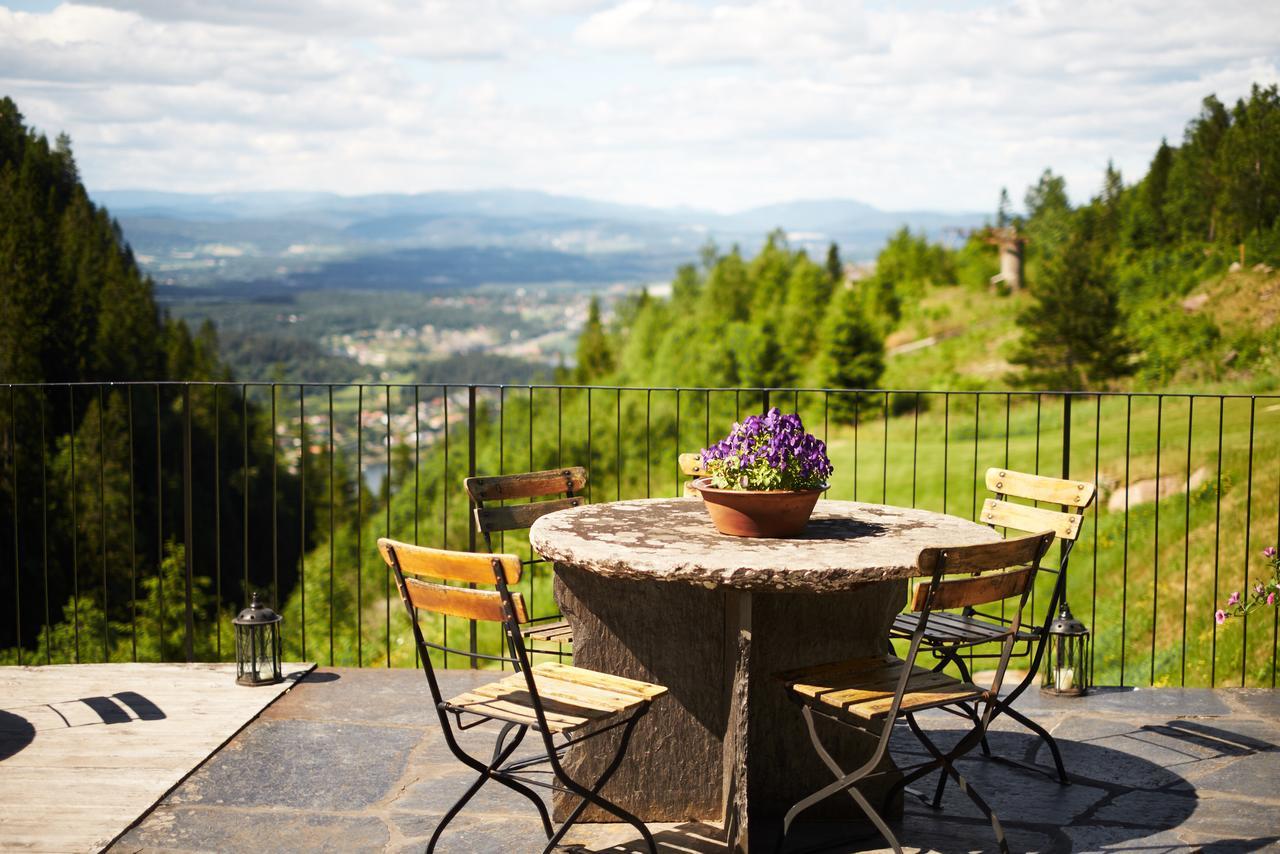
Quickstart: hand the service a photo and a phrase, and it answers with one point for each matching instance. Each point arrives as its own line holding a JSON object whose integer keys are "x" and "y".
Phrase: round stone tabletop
{"x": 846, "y": 544}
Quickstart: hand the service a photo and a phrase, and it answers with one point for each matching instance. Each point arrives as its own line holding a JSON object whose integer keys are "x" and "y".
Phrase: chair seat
{"x": 572, "y": 697}
{"x": 864, "y": 687}
{"x": 552, "y": 631}
{"x": 944, "y": 629}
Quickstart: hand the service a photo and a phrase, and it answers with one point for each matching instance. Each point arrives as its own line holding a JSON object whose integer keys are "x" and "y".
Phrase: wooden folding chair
{"x": 691, "y": 467}
{"x": 555, "y": 700}
{"x": 552, "y": 635}
{"x": 873, "y": 692}
{"x": 952, "y": 636}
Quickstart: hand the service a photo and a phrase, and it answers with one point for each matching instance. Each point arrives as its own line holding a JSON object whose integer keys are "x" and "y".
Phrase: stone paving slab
{"x": 353, "y": 760}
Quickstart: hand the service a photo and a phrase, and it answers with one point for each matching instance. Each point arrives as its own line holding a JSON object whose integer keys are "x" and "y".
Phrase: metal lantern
{"x": 1066, "y": 665}
{"x": 258, "y": 645}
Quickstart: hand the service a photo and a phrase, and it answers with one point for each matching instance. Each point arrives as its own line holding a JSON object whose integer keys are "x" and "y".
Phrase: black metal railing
{"x": 141, "y": 514}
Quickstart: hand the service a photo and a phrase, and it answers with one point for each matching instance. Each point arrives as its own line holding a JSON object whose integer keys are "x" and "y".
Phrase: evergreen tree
{"x": 595, "y": 358}
{"x": 1073, "y": 332}
{"x": 852, "y": 351}
{"x": 808, "y": 293}
{"x": 835, "y": 267}
{"x": 1004, "y": 210}
{"x": 1048, "y": 213}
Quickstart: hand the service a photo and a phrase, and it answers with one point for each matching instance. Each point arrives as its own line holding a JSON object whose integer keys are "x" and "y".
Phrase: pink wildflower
{"x": 1220, "y": 616}
{"x": 1234, "y": 599}
{"x": 1271, "y": 598}
{"x": 1257, "y": 588}
{"x": 1269, "y": 552}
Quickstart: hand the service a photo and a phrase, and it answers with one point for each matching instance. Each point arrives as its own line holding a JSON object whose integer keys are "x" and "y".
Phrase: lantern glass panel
{"x": 258, "y": 645}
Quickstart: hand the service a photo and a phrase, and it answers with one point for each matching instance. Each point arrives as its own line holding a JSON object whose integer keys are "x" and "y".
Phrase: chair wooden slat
{"x": 691, "y": 465}
{"x": 468, "y": 567}
{"x": 462, "y": 601}
{"x": 550, "y": 630}
{"x": 527, "y": 484}
{"x": 515, "y": 516}
{"x": 1024, "y": 517}
{"x": 1015, "y": 551}
{"x": 968, "y": 592}
{"x": 572, "y": 697}
{"x": 1051, "y": 490}
{"x": 864, "y": 687}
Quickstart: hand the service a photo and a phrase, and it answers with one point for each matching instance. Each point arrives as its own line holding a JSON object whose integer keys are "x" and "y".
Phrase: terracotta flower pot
{"x": 758, "y": 513}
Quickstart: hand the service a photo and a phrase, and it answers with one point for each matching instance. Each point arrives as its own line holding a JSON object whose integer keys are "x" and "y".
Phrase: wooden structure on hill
{"x": 1011, "y": 245}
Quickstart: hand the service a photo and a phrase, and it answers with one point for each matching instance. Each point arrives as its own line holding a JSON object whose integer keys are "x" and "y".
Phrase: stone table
{"x": 654, "y": 592}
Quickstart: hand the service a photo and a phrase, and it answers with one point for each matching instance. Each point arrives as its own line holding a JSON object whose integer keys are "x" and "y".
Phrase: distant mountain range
{"x": 242, "y": 242}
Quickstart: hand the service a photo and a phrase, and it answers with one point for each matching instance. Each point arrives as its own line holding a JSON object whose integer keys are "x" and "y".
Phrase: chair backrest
{"x": 567, "y": 482}
{"x": 995, "y": 571}
{"x": 411, "y": 564}
{"x": 691, "y": 466}
{"x": 1072, "y": 495}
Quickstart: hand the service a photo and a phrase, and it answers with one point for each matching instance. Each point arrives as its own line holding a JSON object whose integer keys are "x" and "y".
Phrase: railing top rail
{"x": 633, "y": 388}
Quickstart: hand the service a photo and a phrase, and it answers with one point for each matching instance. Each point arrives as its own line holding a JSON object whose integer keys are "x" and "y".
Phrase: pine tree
{"x": 1048, "y": 213}
{"x": 1004, "y": 210}
{"x": 595, "y": 358}
{"x": 835, "y": 267}
{"x": 852, "y": 351}
{"x": 1073, "y": 332}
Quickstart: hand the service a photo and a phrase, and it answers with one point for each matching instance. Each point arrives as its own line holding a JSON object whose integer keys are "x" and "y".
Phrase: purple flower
{"x": 1269, "y": 552}
{"x": 1220, "y": 616}
{"x": 1233, "y": 599}
{"x": 1271, "y": 598}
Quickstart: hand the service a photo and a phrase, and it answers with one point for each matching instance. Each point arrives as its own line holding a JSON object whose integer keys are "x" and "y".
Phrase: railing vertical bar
{"x": 502, "y": 469}
{"x": 217, "y": 518}
{"x": 1186, "y": 540}
{"x": 617, "y": 438}
{"x": 244, "y": 424}
{"x": 417, "y": 484}
{"x": 160, "y": 526}
{"x": 1066, "y": 473}
{"x": 977, "y": 424}
{"x": 1097, "y": 456}
{"x": 1124, "y": 575}
{"x": 534, "y": 557}
{"x": 884, "y": 456}
{"x": 1155, "y": 557}
{"x": 706, "y": 418}
{"x": 1275, "y": 613}
{"x": 1217, "y": 530}
{"x": 275, "y": 507}
{"x": 676, "y": 456}
{"x": 386, "y": 527}
{"x": 133, "y": 535}
{"x": 188, "y": 529}
{"x": 359, "y": 524}
{"x": 75, "y": 519}
{"x": 1248, "y": 520}
{"x": 559, "y": 428}
{"x": 302, "y": 513}
{"x": 471, "y": 528}
{"x": 915, "y": 449}
{"x": 333, "y": 509}
{"x": 857, "y": 420}
{"x": 444, "y": 503}
{"x": 648, "y": 449}
{"x": 826, "y": 417}
{"x": 102, "y": 521}
{"x": 946, "y": 446}
{"x": 44, "y": 531}
{"x": 591, "y": 459}
{"x": 17, "y": 556}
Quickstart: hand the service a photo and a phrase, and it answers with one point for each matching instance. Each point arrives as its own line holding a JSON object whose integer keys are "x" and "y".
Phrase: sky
{"x": 724, "y": 105}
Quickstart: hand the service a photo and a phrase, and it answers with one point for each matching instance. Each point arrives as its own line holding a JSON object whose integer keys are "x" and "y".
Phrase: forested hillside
{"x": 96, "y": 534}
{"x": 1106, "y": 285}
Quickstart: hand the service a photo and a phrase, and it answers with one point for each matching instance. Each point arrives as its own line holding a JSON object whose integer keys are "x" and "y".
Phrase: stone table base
{"x": 726, "y": 743}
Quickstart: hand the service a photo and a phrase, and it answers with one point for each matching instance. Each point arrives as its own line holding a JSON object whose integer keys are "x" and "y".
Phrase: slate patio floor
{"x": 353, "y": 760}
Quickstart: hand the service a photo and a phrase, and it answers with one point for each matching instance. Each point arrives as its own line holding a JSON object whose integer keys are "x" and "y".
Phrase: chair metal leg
{"x": 949, "y": 769}
{"x": 501, "y": 753}
{"x": 1063, "y": 777}
{"x": 593, "y": 796}
{"x": 595, "y": 787}
{"x": 843, "y": 782}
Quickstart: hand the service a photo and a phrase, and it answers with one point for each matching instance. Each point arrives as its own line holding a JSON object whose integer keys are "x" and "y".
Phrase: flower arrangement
{"x": 1263, "y": 593}
{"x": 768, "y": 452}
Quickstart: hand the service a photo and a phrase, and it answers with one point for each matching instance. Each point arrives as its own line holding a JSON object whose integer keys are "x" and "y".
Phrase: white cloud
{"x": 654, "y": 101}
